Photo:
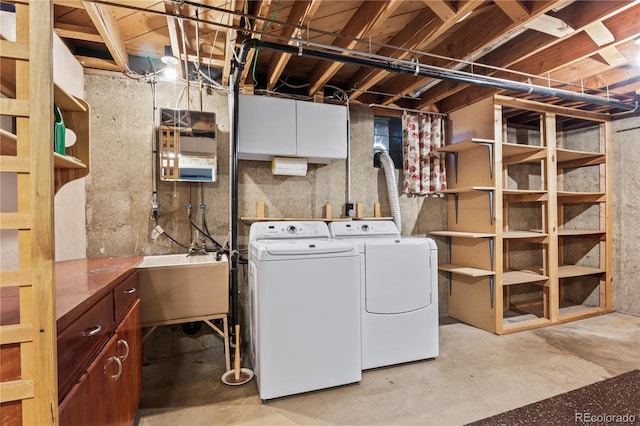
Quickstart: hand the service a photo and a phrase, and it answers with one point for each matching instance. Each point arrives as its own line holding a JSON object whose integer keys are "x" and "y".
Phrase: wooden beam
{"x": 77, "y": 32}
{"x": 301, "y": 14}
{"x": 230, "y": 45}
{"x": 262, "y": 10}
{"x": 14, "y": 50}
{"x": 368, "y": 16}
{"x": 514, "y": 9}
{"x": 613, "y": 56}
{"x": 527, "y": 46}
{"x": 599, "y": 33}
{"x": 98, "y": 63}
{"x": 102, "y": 18}
{"x": 415, "y": 36}
{"x": 441, "y": 8}
{"x": 172, "y": 24}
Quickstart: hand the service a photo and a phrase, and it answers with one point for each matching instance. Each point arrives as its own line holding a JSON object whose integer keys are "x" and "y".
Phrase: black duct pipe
{"x": 444, "y": 74}
{"x": 234, "y": 254}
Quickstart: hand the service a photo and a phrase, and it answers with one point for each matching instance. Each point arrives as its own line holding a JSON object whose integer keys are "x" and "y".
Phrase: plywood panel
{"x": 469, "y": 302}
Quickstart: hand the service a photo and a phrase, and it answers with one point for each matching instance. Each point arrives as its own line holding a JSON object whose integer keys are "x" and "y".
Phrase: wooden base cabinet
{"x": 109, "y": 391}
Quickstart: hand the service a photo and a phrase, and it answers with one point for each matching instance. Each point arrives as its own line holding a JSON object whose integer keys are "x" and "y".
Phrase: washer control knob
{"x": 291, "y": 229}
{"x": 365, "y": 227}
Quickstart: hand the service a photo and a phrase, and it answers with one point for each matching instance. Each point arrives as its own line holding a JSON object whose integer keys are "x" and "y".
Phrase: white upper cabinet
{"x": 271, "y": 127}
{"x": 321, "y": 131}
{"x": 266, "y": 127}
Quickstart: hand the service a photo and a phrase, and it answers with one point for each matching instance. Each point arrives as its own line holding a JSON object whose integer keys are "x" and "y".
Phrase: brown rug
{"x": 614, "y": 401}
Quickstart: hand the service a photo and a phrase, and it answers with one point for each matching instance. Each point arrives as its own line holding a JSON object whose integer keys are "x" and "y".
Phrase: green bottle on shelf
{"x": 58, "y": 131}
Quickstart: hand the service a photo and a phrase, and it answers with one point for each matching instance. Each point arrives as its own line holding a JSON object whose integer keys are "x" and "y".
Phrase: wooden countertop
{"x": 79, "y": 284}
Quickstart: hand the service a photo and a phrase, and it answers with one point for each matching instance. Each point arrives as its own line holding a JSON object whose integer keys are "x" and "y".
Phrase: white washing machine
{"x": 304, "y": 296}
{"x": 399, "y": 292}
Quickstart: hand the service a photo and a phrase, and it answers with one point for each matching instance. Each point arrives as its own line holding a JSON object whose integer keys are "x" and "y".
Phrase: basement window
{"x": 387, "y": 136}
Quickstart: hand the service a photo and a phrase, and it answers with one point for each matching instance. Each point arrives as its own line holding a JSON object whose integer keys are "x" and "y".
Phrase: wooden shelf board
{"x": 464, "y": 145}
{"x": 578, "y": 311}
{"x": 512, "y": 235}
{"x": 462, "y": 234}
{"x": 65, "y": 162}
{"x": 465, "y": 270}
{"x": 579, "y": 232}
{"x": 568, "y": 271}
{"x": 525, "y": 322}
{"x": 65, "y": 101}
{"x": 513, "y": 153}
{"x": 584, "y": 197}
{"x": 250, "y": 219}
{"x": 524, "y": 195}
{"x": 570, "y": 155}
{"x": 8, "y": 142}
{"x": 523, "y": 276}
{"x": 363, "y": 218}
{"x": 466, "y": 189}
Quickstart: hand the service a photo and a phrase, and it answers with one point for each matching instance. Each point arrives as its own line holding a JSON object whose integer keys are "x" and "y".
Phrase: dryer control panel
{"x": 288, "y": 230}
{"x": 364, "y": 228}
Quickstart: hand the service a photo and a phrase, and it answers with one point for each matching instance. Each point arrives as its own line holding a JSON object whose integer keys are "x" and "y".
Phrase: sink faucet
{"x": 196, "y": 249}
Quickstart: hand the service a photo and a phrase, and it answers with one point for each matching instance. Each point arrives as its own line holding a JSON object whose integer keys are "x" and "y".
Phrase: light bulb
{"x": 170, "y": 73}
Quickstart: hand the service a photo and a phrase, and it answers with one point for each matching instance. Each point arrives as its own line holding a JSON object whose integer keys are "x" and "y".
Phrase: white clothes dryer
{"x": 399, "y": 292}
{"x": 304, "y": 307}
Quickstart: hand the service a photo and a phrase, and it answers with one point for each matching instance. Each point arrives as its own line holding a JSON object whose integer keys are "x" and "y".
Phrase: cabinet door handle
{"x": 92, "y": 331}
{"x": 130, "y": 290}
{"x": 116, "y": 376}
{"x": 126, "y": 349}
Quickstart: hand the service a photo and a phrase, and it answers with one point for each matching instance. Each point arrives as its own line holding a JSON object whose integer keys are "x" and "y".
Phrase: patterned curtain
{"x": 424, "y": 168}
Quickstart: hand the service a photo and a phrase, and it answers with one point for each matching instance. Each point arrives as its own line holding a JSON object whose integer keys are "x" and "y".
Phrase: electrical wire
{"x": 155, "y": 216}
{"x": 257, "y": 51}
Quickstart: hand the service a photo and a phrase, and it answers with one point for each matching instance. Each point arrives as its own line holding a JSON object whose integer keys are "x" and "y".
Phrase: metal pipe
{"x": 234, "y": 81}
{"x": 444, "y": 74}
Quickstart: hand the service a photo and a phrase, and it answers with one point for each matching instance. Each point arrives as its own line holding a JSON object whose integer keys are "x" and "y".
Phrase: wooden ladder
{"x": 28, "y": 374}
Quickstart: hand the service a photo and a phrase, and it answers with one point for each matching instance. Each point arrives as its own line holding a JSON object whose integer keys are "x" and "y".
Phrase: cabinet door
{"x": 93, "y": 400}
{"x": 321, "y": 130}
{"x": 129, "y": 351}
{"x": 266, "y": 127}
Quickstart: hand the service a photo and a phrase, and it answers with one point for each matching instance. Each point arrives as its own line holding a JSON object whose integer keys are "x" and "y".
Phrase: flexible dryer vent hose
{"x": 392, "y": 187}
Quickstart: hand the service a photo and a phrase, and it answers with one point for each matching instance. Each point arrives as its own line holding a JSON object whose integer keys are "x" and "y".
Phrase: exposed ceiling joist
{"x": 514, "y": 10}
{"x": 365, "y": 79}
{"x": 442, "y": 9}
{"x": 107, "y": 27}
{"x": 369, "y": 15}
{"x": 262, "y": 10}
{"x": 78, "y": 32}
{"x": 612, "y": 56}
{"x": 531, "y": 43}
{"x": 599, "y": 33}
{"x": 472, "y": 45}
{"x": 230, "y": 43}
{"x": 301, "y": 14}
{"x": 97, "y": 63}
{"x": 550, "y": 25}
{"x": 450, "y": 32}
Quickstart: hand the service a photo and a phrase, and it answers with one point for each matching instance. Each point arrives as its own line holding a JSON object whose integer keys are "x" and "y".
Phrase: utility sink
{"x": 177, "y": 287}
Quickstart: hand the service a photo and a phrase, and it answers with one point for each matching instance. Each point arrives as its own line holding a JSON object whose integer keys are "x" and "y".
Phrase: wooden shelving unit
{"x": 28, "y": 371}
{"x": 76, "y": 163}
{"x": 547, "y": 187}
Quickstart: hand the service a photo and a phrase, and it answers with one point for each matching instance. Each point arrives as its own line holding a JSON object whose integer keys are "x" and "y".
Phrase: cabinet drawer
{"x": 124, "y": 295}
{"x": 79, "y": 343}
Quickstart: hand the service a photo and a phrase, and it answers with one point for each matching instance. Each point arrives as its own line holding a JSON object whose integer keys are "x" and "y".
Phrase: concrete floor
{"x": 477, "y": 375}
